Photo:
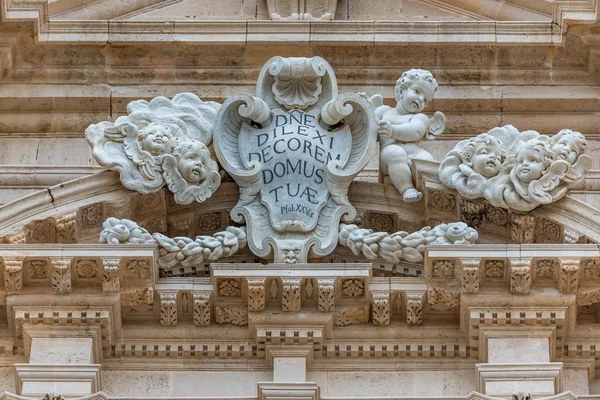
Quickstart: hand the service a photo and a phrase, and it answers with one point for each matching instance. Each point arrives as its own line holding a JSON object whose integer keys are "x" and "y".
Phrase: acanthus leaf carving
{"x": 290, "y": 298}
{"x": 168, "y": 308}
{"x": 326, "y": 294}
{"x": 414, "y": 308}
{"x": 111, "y": 282}
{"x": 568, "y": 275}
{"x": 61, "y": 275}
{"x": 13, "y": 275}
{"x": 448, "y": 297}
{"x": 520, "y": 276}
{"x": 470, "y": 278}
{"x": 235, "y": 315}
{"x": 202, "y": 309}
{"x": 381, "y": 308}
{"x": 351, "y": 315}
{"x": 257, "y": 294}
{"x": 66, "y": 228}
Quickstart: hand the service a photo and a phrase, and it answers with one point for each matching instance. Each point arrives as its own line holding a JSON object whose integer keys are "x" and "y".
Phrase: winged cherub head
{"x": 533, "y": 160}
{"x": 415, "y": 89}
{"x": 155, "y": 139}
{"x": 568, "y": 145}
{"x": 192, "y": 159}
{"x": 484, "y": 154}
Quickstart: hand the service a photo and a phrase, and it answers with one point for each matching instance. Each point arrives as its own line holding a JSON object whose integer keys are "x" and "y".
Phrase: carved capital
{"x": 13, "y": 275}
{"x": 257, "y": 294}
{"x": 290, "y": 299}
{"x": 470, "y": 275}
{"x": 569, "y": 275}
{"x": 414, "y": 308}
{"x": 202, "y": 309}
{"x": 520, "y": 276}
{"x": 61, "y": 275}
{"x": 326, "y": 294}
{"x": 110, "y": 276}
{"x": 381, "y": 308}
{"x": 168, "y": 308}
{"x": 66, "y": 228}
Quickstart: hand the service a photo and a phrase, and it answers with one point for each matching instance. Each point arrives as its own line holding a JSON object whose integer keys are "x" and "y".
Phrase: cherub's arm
{"x": 411, "y": 131}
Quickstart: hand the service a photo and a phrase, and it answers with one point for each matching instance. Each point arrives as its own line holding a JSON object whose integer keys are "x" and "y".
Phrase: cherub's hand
{"x": 384, "y": 129}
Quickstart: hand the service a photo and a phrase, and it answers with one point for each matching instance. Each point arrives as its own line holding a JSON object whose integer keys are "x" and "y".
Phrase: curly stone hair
{"x": 414, "y": 75}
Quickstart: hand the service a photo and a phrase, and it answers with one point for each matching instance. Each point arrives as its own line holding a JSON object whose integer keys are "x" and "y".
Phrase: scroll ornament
{"x": 161, "y": 142}
{"x": 177, "y": 251}
{"x": 392, "y": 248}
{"x": 516, "y": 170}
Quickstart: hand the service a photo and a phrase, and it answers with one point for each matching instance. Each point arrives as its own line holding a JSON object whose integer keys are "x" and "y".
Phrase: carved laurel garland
{"x": 177, "y": 251}
{"x": 401, "y": 245}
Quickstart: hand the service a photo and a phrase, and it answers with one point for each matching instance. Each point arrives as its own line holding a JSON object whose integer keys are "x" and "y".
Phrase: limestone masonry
{"x": 275, "y": 199}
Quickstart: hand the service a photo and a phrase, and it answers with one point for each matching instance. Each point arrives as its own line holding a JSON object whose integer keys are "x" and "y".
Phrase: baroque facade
{"x": 275, "y": 199}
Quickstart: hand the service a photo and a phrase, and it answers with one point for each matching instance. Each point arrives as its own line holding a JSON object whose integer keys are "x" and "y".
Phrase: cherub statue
{"x": 191, "y": 174}
{"x": 403, "y": 127}
{"x": 534, "y": 176}
{"x": 471, "y": 163}
{"x": 571, "y": 147}
{"x": 161, "y": 141}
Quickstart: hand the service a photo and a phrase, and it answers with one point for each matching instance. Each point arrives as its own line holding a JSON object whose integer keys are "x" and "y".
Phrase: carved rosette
{"x": 202, "y": 309}
{"x": 326, "y": 294}
{"x": 257, "y": 294}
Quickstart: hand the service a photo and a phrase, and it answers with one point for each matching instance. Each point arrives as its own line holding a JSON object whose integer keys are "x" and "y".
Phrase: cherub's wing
{"x": 576, "y": 173}
{"x": 144, "y": 160}
{"x": 174, "y": 180}
{"x": 376, "y": 100}
{"x": 437, "y": 124}
{"x": 541, "y": 190}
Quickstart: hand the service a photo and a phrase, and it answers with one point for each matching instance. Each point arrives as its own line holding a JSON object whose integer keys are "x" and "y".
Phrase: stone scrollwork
{"x": 303, "y": 145}
{"x": 401, "y": 245}
{"x": 161, "y": 142}
{"x": 516, "y": 170}
{"x": 175, "y": 251}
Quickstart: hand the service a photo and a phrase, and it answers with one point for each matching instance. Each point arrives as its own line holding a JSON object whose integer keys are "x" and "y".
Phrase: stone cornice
{"x": 503, "y": 32}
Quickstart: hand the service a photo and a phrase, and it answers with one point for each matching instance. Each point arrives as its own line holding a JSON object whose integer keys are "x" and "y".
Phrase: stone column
{"x": 62, "y": 365}
{"x": 519, "y": 360}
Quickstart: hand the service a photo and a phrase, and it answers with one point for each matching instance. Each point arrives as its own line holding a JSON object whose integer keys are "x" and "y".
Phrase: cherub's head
{"x": 155, "y": 139}
{"x": 484, "y": 154}
{"x": 191, "y": 160}
{"x": 568, "y": 145}
{"x": 533, "y": 159}
{"x": 415, "y": 89}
